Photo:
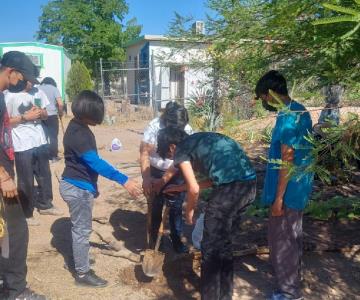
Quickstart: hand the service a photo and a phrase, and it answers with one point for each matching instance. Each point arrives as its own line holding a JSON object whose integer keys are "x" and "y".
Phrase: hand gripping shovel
{"x": 153, "y": 259}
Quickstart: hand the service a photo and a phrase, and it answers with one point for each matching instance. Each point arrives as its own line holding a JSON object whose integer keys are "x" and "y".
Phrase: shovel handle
{"x": 148, "y": 219}
{"x": 161, "y": 228}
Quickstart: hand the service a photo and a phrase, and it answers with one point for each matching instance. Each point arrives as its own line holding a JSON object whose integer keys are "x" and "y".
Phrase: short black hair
{"x": 175, "y": 115}
{"x": 166, "y": 137}
{"x": 272, "y": 80}
{"x": 88, "y": 105}
{"x": 49, "y": 80}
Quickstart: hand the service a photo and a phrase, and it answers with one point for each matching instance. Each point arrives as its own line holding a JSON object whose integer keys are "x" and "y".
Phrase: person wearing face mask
{"x": 15, "y": 70}
{"x": 27, "y": 109}
{"x": 286, "y": 195}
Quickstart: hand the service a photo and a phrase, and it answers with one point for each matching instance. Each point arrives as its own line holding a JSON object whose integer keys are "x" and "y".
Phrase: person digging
{"x": 230, "y": 173}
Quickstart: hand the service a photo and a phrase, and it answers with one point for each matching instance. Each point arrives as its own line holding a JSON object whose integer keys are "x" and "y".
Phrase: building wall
{"x": 132, "y": 53}
{"x": 164, "y": 57}
{"x": 54, "y": 61}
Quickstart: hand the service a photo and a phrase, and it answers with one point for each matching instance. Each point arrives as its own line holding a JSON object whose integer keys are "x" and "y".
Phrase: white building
{"x": 164, "y": 70}
{"x": 52, "y": 61}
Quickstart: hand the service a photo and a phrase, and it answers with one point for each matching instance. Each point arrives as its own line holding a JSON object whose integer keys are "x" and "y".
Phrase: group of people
{"x": 176, "y": 164}
{"x": 28, "y": 140}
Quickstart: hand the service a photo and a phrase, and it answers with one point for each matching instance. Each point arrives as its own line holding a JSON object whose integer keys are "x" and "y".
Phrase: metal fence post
{"x": 102, "y": 79}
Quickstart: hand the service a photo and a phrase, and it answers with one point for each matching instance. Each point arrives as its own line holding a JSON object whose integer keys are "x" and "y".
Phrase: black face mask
{"x": 19, "y": 87}
{"x": 267, "y": 106}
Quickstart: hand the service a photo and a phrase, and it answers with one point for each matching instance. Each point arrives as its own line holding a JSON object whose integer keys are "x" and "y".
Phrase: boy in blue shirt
{"x": 286, "y": 195}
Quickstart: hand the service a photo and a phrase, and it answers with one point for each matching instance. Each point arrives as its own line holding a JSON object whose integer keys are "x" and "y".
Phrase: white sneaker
{"x": 53, "y": 211}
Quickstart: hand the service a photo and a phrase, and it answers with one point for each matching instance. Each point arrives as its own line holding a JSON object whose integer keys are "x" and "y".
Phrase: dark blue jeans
{"x": 175, "y": 204}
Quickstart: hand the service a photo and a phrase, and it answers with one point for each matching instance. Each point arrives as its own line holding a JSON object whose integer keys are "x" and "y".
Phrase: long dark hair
{"x": 49, "y": 80}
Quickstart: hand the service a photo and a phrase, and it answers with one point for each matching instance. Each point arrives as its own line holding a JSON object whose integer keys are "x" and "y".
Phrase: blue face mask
{"x": 19, "y": 87}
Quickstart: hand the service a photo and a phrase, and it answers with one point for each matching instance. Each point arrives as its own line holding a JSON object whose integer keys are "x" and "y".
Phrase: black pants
{"x": 222, "y": 219}
{"x": 175, "y": 204}
{"x": 51, "y": 126}
{"x": 13, "y": 269}
{"x": 29, "y": 164}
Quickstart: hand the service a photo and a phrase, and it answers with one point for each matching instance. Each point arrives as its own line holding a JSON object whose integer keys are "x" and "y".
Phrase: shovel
{"x": 153, "y": 259}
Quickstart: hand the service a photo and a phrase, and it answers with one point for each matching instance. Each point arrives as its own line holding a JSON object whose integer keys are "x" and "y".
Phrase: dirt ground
{"x": 326, "y": 275}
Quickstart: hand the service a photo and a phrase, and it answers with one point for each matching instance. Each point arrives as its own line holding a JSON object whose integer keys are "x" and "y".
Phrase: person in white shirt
{"x": 55, "y": 111}
{"x": 26, "y": 110}
{"x": 153, "y": 167}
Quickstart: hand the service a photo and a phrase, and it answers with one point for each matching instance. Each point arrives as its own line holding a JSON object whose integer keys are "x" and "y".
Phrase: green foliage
{"x": 336, "y": 207}
{"x": 249, "y": 37}
{"x": 266, "y": 134}
{"x": 203, "y": 112}
{"x": 353, "y": 16}
{"x": 78, "y": 80}
{"x": 336, "y": 153}
{"x": 333, "y": 208}
{"x": 256, "y": 209}
{"x": 90, "y": 30}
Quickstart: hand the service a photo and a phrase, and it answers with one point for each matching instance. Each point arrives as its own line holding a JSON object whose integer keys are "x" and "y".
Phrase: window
{"x": 36, "y": 58}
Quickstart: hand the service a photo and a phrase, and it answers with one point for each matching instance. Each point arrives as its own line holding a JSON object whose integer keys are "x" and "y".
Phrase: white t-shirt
{"x": 150, "y": 137}
{"x": 31, "y": 134}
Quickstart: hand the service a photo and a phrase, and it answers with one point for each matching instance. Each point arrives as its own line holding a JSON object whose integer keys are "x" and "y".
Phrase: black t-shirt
{"x": 78, "y": 139}
{"x": 6, "y": 146}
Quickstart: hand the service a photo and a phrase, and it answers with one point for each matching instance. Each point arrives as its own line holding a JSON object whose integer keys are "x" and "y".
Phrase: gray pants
{"x": 285, "y": 243}
{"x": 80, "y": 204}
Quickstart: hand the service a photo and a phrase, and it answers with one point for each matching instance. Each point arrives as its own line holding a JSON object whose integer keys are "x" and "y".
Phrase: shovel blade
{"x": 152, "y": 263}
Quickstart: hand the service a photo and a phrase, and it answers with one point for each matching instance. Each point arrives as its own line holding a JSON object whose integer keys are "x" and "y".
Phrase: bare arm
{"x": 60, "y": 105}
{"x": 193, "y": 190}
{"x": 43, "y": 114}
{"x": 145, "y": 150}
{"x": 7, "y": 184}
{"x": 287, "y": 156}
{"x": 183, "y": 187}
{"x": 33, "y": 114}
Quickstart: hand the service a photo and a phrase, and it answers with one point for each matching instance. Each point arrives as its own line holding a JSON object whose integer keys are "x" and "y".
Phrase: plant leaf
{"x": 332, "y": 20}
{"x": 351, "y": 32}
{"x": 342, "y": 9}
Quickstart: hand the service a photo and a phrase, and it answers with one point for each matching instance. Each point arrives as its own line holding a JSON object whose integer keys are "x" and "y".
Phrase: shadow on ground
{"x": 129, "y": 227}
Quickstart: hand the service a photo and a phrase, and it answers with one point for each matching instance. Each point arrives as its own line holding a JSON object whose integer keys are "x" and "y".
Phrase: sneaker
{"x": 28, "y": 294}
{"x": 90, "y": 279}
{"x": 32, "y": 222}
{"x": 53, "y": 211}
{"x": 179, "y": 246}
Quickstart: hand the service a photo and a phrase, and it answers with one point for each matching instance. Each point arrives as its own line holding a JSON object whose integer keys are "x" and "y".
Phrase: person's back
{"x": 52, "y": 93}
{"x": 216, "y": 156}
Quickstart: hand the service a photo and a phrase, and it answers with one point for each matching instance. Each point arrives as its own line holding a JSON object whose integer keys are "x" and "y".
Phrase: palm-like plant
{"x": 351, "y": 15}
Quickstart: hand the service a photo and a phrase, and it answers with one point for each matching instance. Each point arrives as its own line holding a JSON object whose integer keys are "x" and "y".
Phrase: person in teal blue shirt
{"x": 225, "y": 167}
{"x": 286, "y": 194}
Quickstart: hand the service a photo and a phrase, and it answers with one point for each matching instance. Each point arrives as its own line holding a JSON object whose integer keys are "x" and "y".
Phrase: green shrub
{"x": 78, "y": 80}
